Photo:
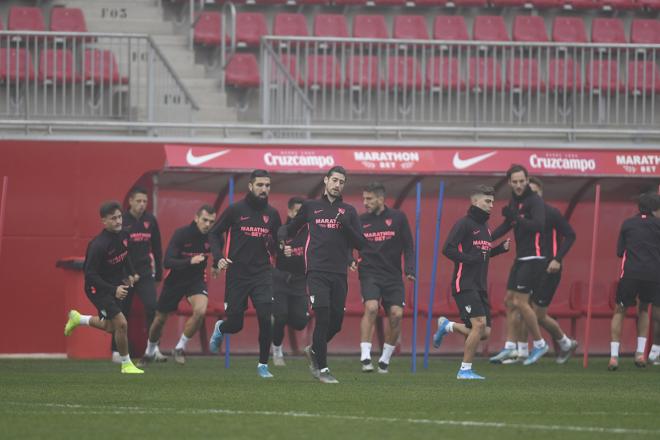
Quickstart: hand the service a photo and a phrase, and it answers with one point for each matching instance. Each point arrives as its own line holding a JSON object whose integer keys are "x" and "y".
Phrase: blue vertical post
{"x": 434, "y": 272}
{"x": 231, "y": 200}
{"x": 418, "y": 215}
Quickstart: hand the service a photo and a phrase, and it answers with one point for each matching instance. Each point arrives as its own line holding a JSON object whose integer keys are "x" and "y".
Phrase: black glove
{"x": 509, "y": 213}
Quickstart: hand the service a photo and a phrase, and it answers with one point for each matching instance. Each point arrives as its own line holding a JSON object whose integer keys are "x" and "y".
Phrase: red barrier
{"x": 3, "y": 204}
{"x": 592, "y": 270}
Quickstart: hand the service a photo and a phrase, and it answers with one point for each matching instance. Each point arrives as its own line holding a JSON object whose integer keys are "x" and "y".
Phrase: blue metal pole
{"x": 231, "y": 200}
{"x": 434, "y": 272}
{"x": 418, "y": 215}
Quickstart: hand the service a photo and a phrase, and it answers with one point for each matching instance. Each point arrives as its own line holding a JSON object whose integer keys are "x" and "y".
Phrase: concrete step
{"x": 147, "y": 26}
{"x": 117, "y": 11}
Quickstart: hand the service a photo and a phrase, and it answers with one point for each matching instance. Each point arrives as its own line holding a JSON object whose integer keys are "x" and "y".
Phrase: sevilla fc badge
{"x": 388, "y": 222}
{"x": 266, "y": 218}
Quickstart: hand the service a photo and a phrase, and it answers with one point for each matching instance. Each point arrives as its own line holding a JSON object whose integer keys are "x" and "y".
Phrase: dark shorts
{"x": 238, "y": 287}
{"x": 473, "y": 304}
{"x": 526, "y": 275}
{"x": 289, "y": 294}
{"x": 629, "y": 290}
{"x": 172, "y": 294}
{"x": 389, "y": 292}
{"x": 108, "y": 306}
{"x": 327, "y": 289}
{"x": 547, "y": 286}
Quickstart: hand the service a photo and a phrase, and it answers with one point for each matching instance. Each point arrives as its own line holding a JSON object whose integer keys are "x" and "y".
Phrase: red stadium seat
{"x": 645, "y": 31}
{"x": 313, "y": 2}
{"x": 290, "y": 63}
{"x": 450, "y": 27}
{"x": 650, "y": 4}
{"x": 468, "y": 3}
{"x": 25, "y": 19}
{"x": 370, "y": 26}
{"x": 350, "y": 2}
{"x": 607, "y": 31}
{"x": 437, "y": 3}
{"x": 603, "y": 75}
{"x": 485, "y": 73}
{"x": 387, "y": 2}
{"x": 643, "y": 77}
{"x": 322, "y": 71}
{"x": 57, "y": 66}
{"x": 207, "y": 29}
{"x": 412, "y": 27}
{"x": 15, "y": 65}
{"x": 489, "y": 28}
{"x": 67, "y": 20}
{"x": 403, "y": 72}
{"x": 564, "y": 75}
{"x": 362, "y": 72}
{"x": 540, "y": 4}
{"x": 619, "y": 4}
{"x": 100, "y": 67}
{"x": 286, "y": 24}
{"x": 250, "y": 27}
{"x": 582, "y": 4}
{"x": 523, "y": 75}
{"x": 508, "y": 3}
{"x": 443, "y": 73}
{"x": 330, "y": 25}
{"x": 242, "y": 71}
{"x": 569, "y": 308}
{"x": 529, "y": 28}
{"x": 569, "y": 30}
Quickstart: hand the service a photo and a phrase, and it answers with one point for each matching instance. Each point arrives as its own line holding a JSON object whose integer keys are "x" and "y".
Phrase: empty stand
{"x": 242, "y": 71}
{"x": 569, "y": 30}
{"x": 443, "y": 73}
{"x": 362, "y": 72}
{"x": 484, "y": 73}
{"x": 643, "y": 77}
{"x": 67, "y": 20}
{"x": 250, "y": 27}
{"x": 56, "y": 66}
{"x": 322, "y": 71}
{"x": 608, "y": 31}
{"x": 208, "y": 29}
{"x": 290, "y": 25}
{"x": 100, "y": 67}
{"x": 411, "y": 27}
{"x": 15, "y": 65}
{"x": 25, "y": 19}
{"x": 645, "y": 31}
{"x": 523, "y": 75}
{"x": 529, "y": 28}
{"x": 370, "y": 26}
{"x": 603, "y": 75}
{"x": 403, "y": 72}
{"x": 563, "y": 75}
{"x": 450, "y": 27}
{"x": 490, "y": 28}
{"x": 330, "y": 25}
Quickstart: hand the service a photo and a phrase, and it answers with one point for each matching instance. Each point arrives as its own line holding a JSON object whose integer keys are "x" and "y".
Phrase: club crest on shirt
{"x": 341, "y": 211}
{"x": 388, "y": 222}
{"x": 207, "y": 246}
{"x": 146, "y": 225}
{"x": 265, "y": 218}
{"x": 125, "y": 242}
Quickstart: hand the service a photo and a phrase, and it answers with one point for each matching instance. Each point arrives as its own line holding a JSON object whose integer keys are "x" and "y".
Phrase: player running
{"x": 334, "y": 229}
{"x": 388, "y": 233}
{"x": 109, "y": 275}
{"x": 469, "y": 246}
{"x": 186, "y": 257}
{"x": 251, "y": 225}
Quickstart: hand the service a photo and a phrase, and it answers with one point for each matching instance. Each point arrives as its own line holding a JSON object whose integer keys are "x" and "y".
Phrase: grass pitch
{"x": 91, "y": 399}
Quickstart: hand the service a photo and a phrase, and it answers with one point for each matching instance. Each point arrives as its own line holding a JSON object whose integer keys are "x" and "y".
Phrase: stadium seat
{"x": 242, "y": 71}
{"x": 541, "y": 4}
{"x": 67, "y": 20}
{"x": 485, "y": 73}
{"x": 15, "y": 65}
{"x": 430, "y": 3}
{"x": 403, "y": 72}
{"x": 330, "y": 25}
{"x": 450, "y": 27}
{"x": 603, "y": 75}
{"x": 523, "y": 75}
{"x": 508, "y": 3}
{"x": 250, "y": 27}
{"x": 619, "y": 4}
{"x": 56, "y": 66}
{"x": 349, "y": 2}
{"x": 380, "y": 3}
{"x": 581, "y": 4}
{"x": 645, "y": 31}
{"x": 529, "y": 28}
{"x": 322, "y": 71}
{"x": 650, "y": 4}
{"x": 564, "y": 75}
{"x": 468, "y": 3}
{"x": 100, "y": 67}
{"x": 443, "y": 73}
{"x": 290, "y": 63}
{"x": 607, "y": 31}
{"x": 207, "y": 29}
{"x": 370, "y": 26}
{"x": 286, "y": 24}
{"x": 362, "y": 72}
{"x": 643, "y": 77}
{"x": 412, "y": 27}
{"x": 569, "y": 30}
{"x": 569, "y": 308}
{"x": 489, "y": 28}
{"x": 25, "y": 19}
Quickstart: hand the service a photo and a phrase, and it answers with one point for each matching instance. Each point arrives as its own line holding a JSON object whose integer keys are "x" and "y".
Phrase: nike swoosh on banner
{"x": 198, "y": 160}
{"x": 461, "y": 164}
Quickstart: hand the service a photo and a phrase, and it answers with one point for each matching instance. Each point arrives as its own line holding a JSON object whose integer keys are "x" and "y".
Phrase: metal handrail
{"x": 227, "y": 8}
{"x": 193, "y": 19}
{"x": 267, "y": 48}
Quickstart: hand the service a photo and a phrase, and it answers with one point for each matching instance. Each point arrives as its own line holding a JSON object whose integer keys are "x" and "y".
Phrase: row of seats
{"x": 445, "y": 72}
{"x": 32, "y": 19}
{"x": 57, "y": 66}
{"x": 251, "y": 26}
{"x": 566, "y": 4}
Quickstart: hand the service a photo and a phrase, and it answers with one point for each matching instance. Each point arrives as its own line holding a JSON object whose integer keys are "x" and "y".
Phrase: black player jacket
{"x": 559, "y": 235}
{"x": 186, "y": 242}
{"x": 469, "y": 247}
{"x": 143, "y": 241}
{"x": 333, "y": 231}
{"x": 107, "y": 264}
{"x": 251, "y": 225}
{"x": 295, "y": 264}
{"x": 388, "y": 235}
{"x": 528, "y": 222}
{"x": 639, "y": 246}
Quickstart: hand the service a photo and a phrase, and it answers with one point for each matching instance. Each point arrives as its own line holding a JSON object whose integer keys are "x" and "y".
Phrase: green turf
{"x": 74, "y": 399}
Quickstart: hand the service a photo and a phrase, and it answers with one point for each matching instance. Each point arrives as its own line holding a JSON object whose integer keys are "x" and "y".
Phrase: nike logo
{"x": 317, "y": 211}
{"x": 368, "y": 225}
{"x": 461, "y": 164}
{"x": 475, "y": 232}
{"x": 198, "y": 160}
{"x": 244, "y": 218}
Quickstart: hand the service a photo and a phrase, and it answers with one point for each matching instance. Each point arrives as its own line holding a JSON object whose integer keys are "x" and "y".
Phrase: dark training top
{"x": 294, "y": 264}
{"x": 389, "y": 236}
{"x": 639, "y": 246}
{"x": 559, "y": 236}
{"x": 469, "y": 247}
{"x": 143, "y": 241}
{"x": 107, "y": 264}
{"x": 333, "y": 230}
{"x": 528, "y": 223}
{"x": 186, "y": 242}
